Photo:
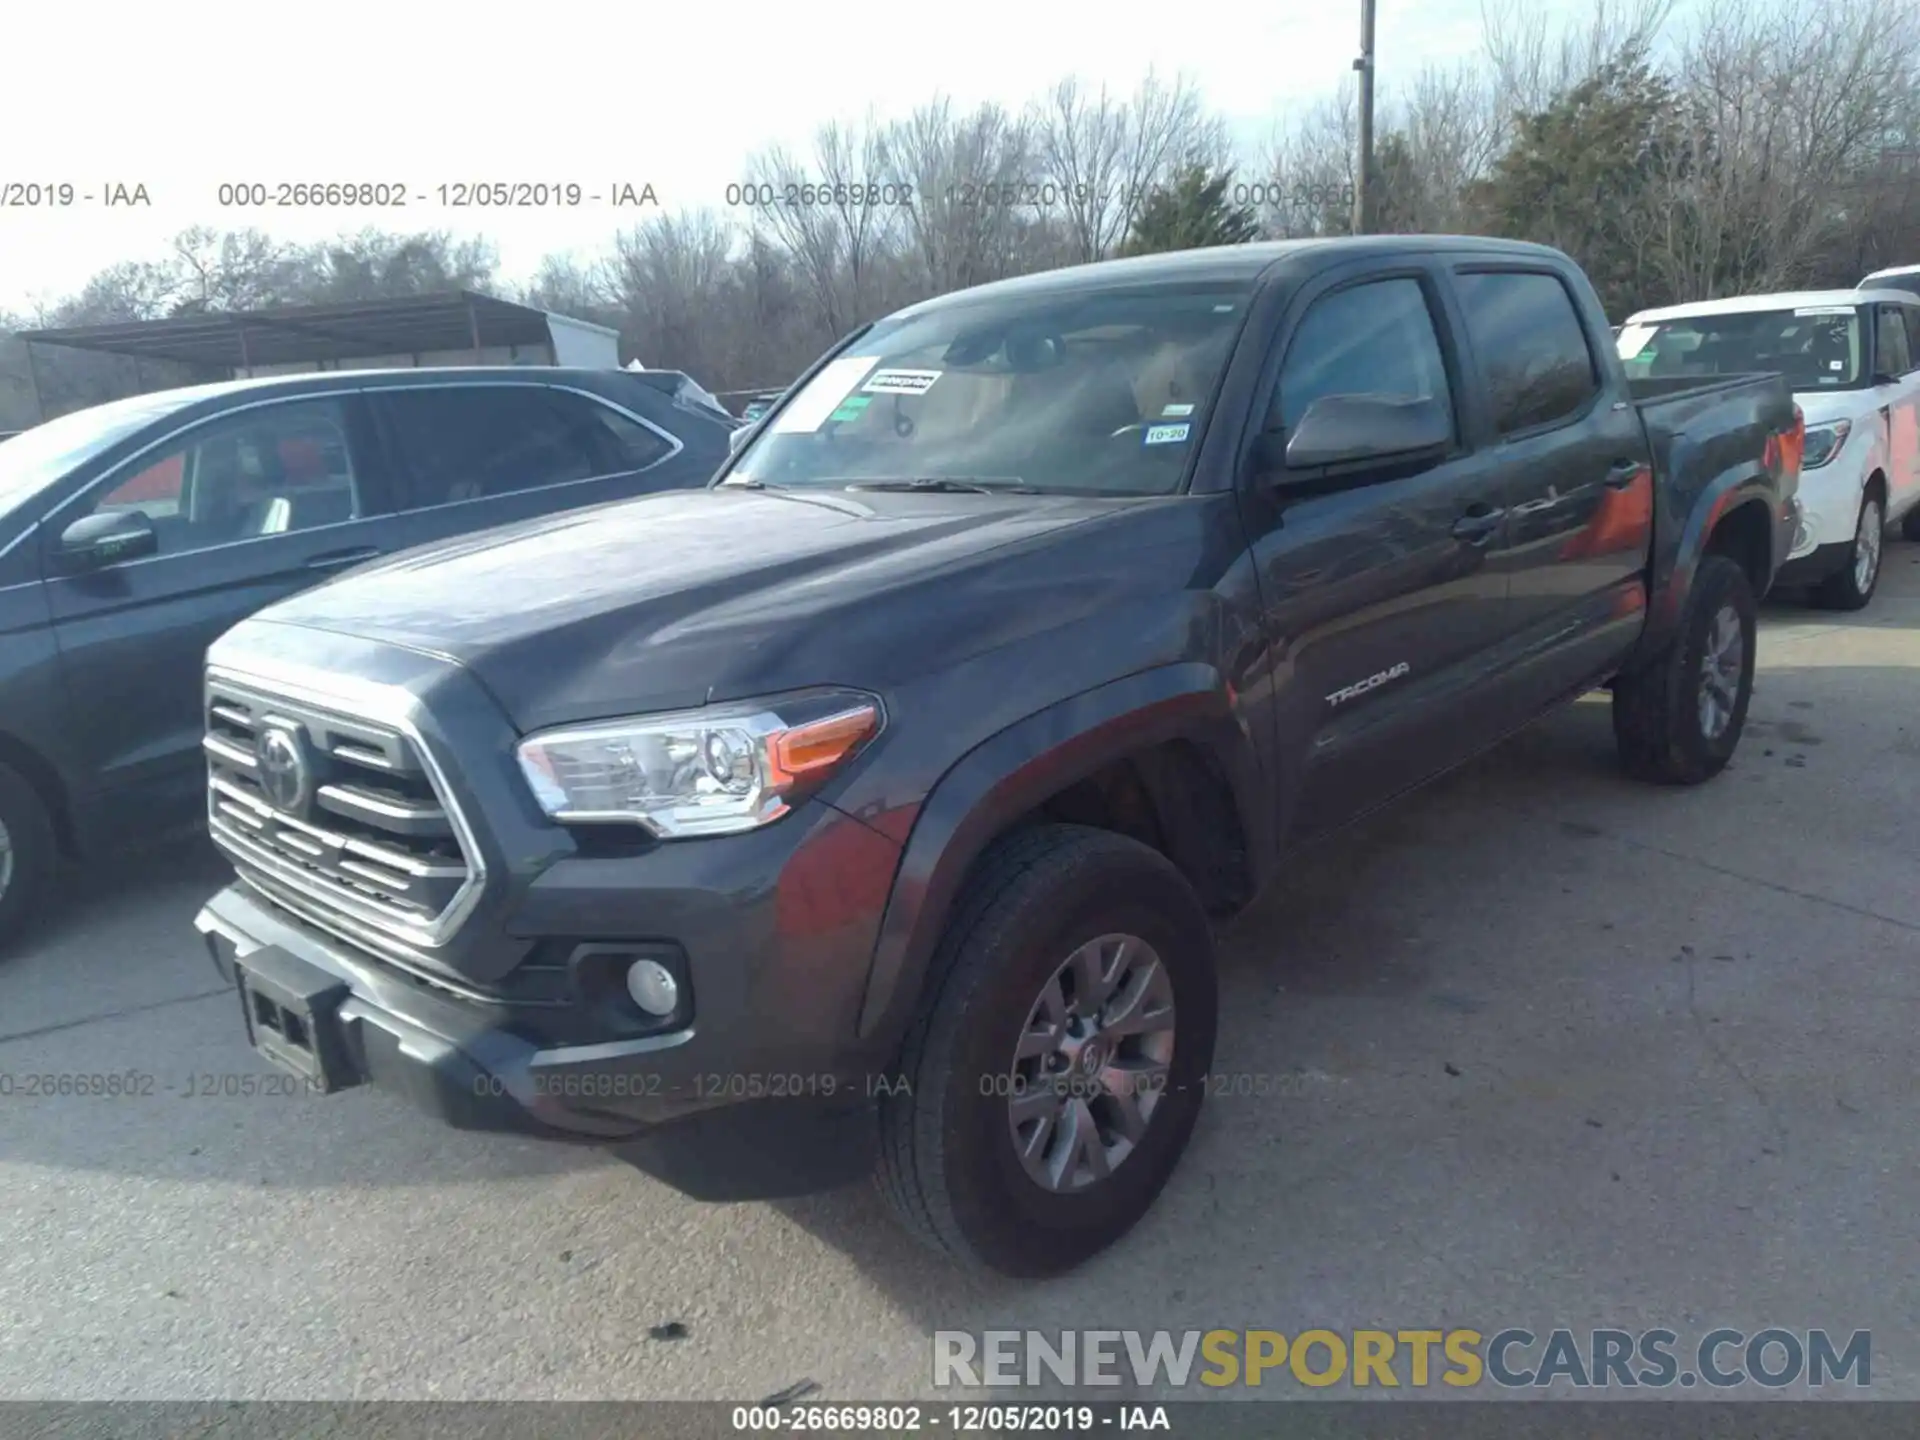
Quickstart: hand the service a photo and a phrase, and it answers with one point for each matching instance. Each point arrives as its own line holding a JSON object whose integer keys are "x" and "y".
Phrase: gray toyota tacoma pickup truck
{"x": 872, "y": 808}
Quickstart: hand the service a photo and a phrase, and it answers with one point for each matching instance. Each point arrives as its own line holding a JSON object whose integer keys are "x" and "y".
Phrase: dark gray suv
{"x": 134, "y": 533}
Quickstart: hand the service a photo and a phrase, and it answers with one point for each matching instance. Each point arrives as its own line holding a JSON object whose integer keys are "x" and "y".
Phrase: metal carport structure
{"x": 324, "y": 336}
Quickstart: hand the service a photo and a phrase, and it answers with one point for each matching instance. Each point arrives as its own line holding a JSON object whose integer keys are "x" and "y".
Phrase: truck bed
{"x": 1652, "y": 390}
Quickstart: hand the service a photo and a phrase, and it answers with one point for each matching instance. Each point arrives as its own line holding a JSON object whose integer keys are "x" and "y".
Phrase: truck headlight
{"x": 717, "y": 770}
{"x": 1824, "y": 442}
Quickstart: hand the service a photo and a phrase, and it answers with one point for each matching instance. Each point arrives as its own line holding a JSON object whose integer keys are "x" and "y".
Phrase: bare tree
{"x": 1106, "y": 155}
{"x": 972, "y": 199}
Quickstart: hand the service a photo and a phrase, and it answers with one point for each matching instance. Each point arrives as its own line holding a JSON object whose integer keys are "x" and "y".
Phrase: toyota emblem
{"x": 285, "y": 776}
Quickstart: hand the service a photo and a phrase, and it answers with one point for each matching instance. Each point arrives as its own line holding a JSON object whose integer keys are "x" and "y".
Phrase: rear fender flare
{"x": 1673, "y": 579}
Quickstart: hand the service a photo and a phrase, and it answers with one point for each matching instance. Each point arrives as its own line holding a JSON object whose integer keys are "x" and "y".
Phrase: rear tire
{"x": 27, "y": 853}
{"x": 1852, "y": 585}
{"x": 1677, "y": 720}
{"x": 951, "y": 1147}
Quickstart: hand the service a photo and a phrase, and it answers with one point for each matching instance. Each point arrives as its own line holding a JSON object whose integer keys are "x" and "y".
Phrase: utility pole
{"x": 1362, "y": 217}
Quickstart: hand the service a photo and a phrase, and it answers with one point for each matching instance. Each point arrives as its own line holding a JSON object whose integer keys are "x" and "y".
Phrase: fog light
{"x": 653, "y": 987}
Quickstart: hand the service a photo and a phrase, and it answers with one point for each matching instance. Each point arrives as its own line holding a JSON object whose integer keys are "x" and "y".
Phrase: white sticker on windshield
{"x": 1633, "y": 339}
{"x": 902, "y": 382}
{"x": 1166, "y": 434}
{"x": 1178, "y": 410}
{"x": 1836, "y": 364}
{"x": 809, "y": 410}
{"x": 1824, "y": 310}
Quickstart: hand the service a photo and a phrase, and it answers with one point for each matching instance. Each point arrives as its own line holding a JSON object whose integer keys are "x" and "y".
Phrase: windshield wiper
{"x": 949, "y": 485}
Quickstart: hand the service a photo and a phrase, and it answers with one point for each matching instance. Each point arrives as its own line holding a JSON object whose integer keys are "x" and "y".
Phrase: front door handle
{"x": 1477, "y": 526}
{"x": 340, "y": 559}
{"x": 1623, "y": 473}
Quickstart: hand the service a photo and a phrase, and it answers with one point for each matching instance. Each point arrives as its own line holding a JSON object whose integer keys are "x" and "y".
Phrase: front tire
{"x": 1677, "y": 720}
{"x": 1852, "y": 585}
{"x": 1056, "y": 1071}
{"x": 27, "y": 852}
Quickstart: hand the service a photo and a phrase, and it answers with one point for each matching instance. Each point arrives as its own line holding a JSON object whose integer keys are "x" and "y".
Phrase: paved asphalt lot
{"x": 1685, "y": 1095}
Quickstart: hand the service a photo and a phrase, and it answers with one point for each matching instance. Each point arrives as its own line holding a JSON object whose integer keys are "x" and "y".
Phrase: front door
{"x": 1898, "y": 397}
{"x": 248, "y": 507}
{"x": 1381, "y": 586}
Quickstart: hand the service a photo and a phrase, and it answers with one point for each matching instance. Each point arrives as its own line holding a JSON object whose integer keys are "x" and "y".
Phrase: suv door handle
{"x": 1623, "y": 473}
{"x": 340, "y": 559}
{"x": 1476, "y": 527}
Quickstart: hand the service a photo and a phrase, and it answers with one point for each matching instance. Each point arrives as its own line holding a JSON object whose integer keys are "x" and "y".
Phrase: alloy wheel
{"x": 1722, "y": 666}
{"x": 1866, "y": 546}
{"x": 1091, "y": 1065}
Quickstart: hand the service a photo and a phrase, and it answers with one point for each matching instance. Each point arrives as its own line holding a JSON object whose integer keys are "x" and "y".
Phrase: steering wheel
{"x": 1139, "y": 425}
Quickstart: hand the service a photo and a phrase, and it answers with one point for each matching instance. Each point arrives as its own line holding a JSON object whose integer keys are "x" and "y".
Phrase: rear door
{"x": 1381, "y": 583}
{"x": 1574, "y": 473}
{"x": 471, "y": 456}
{"x": 249, "y": 506}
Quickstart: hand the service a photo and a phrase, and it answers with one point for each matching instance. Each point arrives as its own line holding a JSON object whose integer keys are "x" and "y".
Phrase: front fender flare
{"x": 1014, "y": 771}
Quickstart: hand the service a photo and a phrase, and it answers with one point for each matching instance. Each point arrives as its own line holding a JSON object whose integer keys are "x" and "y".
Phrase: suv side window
{"x": 468, "y": 442}
{"x": 629, "y": 444}
{"x": 1531, "y": 347}
{"x": 1893, "y": 342}
{"x": 1374, "y": 338}
{"x": 268, "y": 470}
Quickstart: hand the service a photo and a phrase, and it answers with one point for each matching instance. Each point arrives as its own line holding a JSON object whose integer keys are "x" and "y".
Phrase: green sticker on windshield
{"x": 851, "y": 408}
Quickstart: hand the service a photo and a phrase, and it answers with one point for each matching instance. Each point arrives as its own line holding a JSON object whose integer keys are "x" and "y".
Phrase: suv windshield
{"x": 36, "y": 458}
{"x": 1817, "y": 347}
{"x": 1101, "y": 392}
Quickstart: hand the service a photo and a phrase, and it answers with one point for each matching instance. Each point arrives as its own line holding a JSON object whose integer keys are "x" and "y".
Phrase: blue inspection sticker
{"x": 1166, "y": 434}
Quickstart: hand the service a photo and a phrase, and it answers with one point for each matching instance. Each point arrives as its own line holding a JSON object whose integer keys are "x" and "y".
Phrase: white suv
{"x": 1853, "y": 359}
{"x": 1897, "y": 277}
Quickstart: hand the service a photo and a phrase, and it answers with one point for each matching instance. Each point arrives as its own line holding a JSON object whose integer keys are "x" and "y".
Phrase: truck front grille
{"x": 337, "y": 817}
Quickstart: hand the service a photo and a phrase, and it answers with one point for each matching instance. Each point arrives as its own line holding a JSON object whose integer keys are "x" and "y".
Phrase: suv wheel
{"x": 26, "y": 853}
{"x": 1852, "y": 585}
{"x": 1056, "y": 1072}
{"x": 1678, "y": 720}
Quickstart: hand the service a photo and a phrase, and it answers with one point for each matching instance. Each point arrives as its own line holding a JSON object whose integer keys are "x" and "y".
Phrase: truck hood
{"x": 688, "y": 597}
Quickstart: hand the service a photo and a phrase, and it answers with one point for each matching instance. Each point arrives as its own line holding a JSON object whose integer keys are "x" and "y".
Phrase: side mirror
{"x": 1882, "y": 377}
{"x": 738, "y": 437}
{"x": 1340, "y": 429}
{"x": 94, "y": 541}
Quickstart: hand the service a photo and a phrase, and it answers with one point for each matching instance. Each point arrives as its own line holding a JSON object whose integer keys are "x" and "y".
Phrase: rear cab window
{"x": 1531, "y": 347}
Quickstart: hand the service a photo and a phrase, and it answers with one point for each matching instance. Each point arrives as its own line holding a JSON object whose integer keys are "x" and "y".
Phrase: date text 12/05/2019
{"x": 141, "y": 1085}
{"x": 66, "y": 194}
{"x": 954, "y": 1419}
{"x": 448, "y": 195}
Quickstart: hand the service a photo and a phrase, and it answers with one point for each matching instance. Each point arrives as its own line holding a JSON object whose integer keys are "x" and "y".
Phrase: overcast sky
{"x": 593, "y": 91}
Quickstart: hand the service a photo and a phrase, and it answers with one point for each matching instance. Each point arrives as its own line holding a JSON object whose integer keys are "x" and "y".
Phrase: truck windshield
{"x": 35, "y": 458}
{"x": 1816, "y": 347}
{"x": 1099, "y": 392}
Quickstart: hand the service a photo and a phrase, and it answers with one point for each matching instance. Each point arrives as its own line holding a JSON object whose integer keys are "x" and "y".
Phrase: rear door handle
{"x": 1476, "y": 527}
{"x": 340, "y": 559}
{"x": 1622, "y": 474}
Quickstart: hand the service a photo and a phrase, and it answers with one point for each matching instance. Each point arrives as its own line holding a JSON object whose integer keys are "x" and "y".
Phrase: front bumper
{"x": 1829, "y": 510}
{"x": 668, "y": 1104}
